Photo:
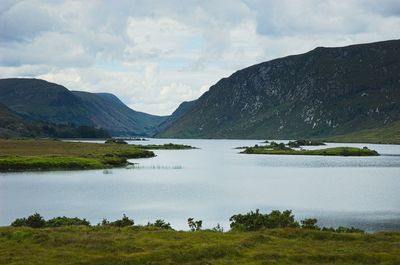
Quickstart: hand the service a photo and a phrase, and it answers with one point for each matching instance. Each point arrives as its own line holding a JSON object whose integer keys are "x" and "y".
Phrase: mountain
{"x": 39, "y": 100}
{"x": 12, "y": 125}
{"x": 108, "y": 112}
{"x": 321, "y": 93}
{"x": 177, "y": 114}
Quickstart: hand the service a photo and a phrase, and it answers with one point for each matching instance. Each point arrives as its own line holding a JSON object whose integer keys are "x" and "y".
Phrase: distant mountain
{"x": 39, "y": 100}
{"x": 322, "y": 93}
{"x": 108, "y": 112}
{"x": 177, "y": 114}
{"x": 12, "y": 125}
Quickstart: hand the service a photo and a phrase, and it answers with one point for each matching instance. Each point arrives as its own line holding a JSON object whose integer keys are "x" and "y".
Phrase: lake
{"x": 213, "y": 183}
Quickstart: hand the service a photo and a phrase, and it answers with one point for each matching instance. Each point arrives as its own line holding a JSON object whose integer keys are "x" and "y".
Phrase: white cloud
{"x": 154, "y": 55}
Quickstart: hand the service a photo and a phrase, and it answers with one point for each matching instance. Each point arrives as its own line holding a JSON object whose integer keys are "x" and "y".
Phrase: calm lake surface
{"x": 213, "y": 183}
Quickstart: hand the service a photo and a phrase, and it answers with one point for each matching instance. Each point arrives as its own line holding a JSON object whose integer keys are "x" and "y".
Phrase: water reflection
{"x": 214, "y": 182}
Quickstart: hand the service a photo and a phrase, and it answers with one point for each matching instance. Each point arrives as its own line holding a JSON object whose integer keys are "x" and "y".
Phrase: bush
{"x": 125, "y": 221}
{"x": 342, "y": 229}
{"x": 19, "y": 222}
{"x": 160, "y": 224}
{"x": 309, "y": 223}
{"x": 253, "y": 221}
{"x": 66, "y": 221}
{"x": 35, "y": 221}
{"x": 195, "y": 225}
{"x": 218, "y": 228}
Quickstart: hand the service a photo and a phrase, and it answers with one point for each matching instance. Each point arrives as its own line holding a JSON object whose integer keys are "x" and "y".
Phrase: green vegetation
{"x": 254, "y": 221}
{"x": 169, "y": 146}
{"x": 18, "y": 155}
{"x": 13, "y": 125}
{"x": 389, "y": 134}
{"x": 125, "y": 221}
{"x": 281, "y": 149}
{"x": 195, "y": 225}
{"x": 256, "y": 238}
{"x": 115, "y": 141}
{"x": 37, "y": 221}
{"x": 300, "y": 143}
{"x": 47, "y": 155}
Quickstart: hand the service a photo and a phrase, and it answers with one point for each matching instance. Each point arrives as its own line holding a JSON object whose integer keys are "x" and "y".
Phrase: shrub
{"x": 160, "y": 224}
{"x": 309, "y": 223}
{"x": 218, "y": 228}
{"x": 195, "y": 225}
{"x": 19, "y": 222}
{"x": 35, "y": 221}
{"x": 65, "y": 221}
{"x": 342, "y": 229}
{"x": 255, "y": 220}
{"x": 125, "y": 221}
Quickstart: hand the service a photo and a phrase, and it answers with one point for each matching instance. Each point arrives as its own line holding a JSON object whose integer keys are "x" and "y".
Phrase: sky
{"x": 154, "y": 55}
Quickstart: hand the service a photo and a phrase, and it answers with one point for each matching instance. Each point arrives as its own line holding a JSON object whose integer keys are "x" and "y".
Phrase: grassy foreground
{"x": 135, "y": 245}
{"x": 49, "y": 154}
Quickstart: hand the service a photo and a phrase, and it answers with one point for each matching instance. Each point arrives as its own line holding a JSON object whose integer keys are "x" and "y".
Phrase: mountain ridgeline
{"x": 322, "y": 93}
{"x": 344, "y": 94}
{"x": 36, "y": 101}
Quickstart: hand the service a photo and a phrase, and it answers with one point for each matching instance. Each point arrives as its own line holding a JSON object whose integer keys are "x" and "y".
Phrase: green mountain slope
{"x": 389, "y": 134}
{"x": 325, "y": 92}
{"x": 108, "y": 112}
{"x": 176, "y": 115}
{"x": 39, "y": 100}
{"x": 12, "y": 125}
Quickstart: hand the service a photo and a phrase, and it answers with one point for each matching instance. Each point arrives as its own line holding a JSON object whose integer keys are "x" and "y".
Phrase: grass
{"x": 333, "y": 151}
{"x": 389, "y": 134}
{"x": 139, "y": 245}
{"x": 48, "y": 154}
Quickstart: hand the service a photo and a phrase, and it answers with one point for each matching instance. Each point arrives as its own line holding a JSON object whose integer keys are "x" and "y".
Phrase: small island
{"x": 281, "y": 149}
{"x": 24, "y": 155}
{"x": 169, "y": 146}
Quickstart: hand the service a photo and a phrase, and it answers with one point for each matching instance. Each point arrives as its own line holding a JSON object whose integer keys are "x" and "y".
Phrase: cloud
{"x": 156, "y": 54}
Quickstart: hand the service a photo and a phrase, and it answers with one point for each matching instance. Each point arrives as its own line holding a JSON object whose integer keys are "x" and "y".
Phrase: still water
{"x": 213, "y": 183}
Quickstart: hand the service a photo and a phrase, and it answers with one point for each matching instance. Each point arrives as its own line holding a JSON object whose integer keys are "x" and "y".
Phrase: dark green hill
{"x": 13, "y": 125}
{"x": 325, "y": 92}
{"x": 177, "y": 114}
{"x": 43, "y": 101}
{"x": 108, "y": 112}
{"x": 39, "y": 100}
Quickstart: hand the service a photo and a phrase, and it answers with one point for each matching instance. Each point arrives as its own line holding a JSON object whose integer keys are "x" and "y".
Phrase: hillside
{"x": 322, "y": 93}
{"x": 13, "y": 125}
{"x": 108, "y": 112}
{"x": 176, "y": 115}
{"x": 39, "y": 100}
